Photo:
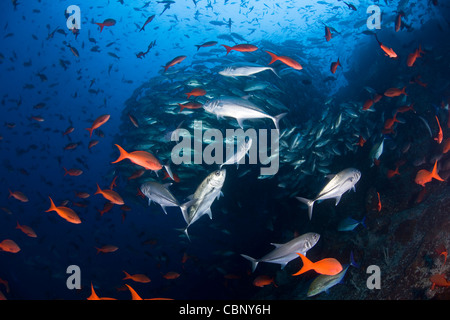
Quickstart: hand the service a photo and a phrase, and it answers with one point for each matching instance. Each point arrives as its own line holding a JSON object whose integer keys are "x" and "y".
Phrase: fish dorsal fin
{"x": 338, "y": 198}
{"x": 277, "y": 245}
{"x": 241, "y": 123}
{"x": 167, "y": 185}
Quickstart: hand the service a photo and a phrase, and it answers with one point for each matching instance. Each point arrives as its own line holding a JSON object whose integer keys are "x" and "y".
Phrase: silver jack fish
{"x": 240, "y": 153}
{"x": 238, "y": 108}
{"x": 244, "y": 70}
{"x": 202, "y": 199}
{"x": 338, "y": 185}
{"x": 159, "y": 193}
{"x": 284, "y": 253}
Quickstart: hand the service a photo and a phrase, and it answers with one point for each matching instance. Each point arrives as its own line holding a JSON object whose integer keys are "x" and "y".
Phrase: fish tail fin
{"x": 434, "y": 173}
{"x": 66, "y": 171}
{"x": 277, "y": 119}
{"x": 198, "y": 46}
{"x": 99, "y": 191}
{"x": 309, "y": 203}
{"x": 127, "y": 275}
{"x": 123, "y": 154}
{"x": 307, "y": 265}
{"x": 276, "y": 73}
{"x": 363, "y": 222}
{"x": 352, "y": 260}
{"x": 252, "y": 260}
{"x": 101, "y": 25}
{"x": 10, "y": 193}
{"x": 184, "y": 209}
{"x": 90, "y": 131}
{"x": 273, "y": 56}
{"x": 52, "y": 206}
{"x": 403, "y": 91}
{"x": 134, "y": 294}
{"x": 339, "y": 63}
{"x": 181, "y": 107}
{"x": 169, "y": 170}
{"x": 228, "y": 48}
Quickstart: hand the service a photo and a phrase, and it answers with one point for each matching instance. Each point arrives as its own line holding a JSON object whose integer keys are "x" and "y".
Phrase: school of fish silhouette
{"x": 362, "y": 153}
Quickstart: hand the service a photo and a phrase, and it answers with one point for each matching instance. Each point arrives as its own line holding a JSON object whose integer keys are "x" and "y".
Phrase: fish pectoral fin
{"x": 354, "y": 188}
{"x": 149, "y": 201}
{"x": 220, "y": 194}
{"x": 209, "y": 212}
{"x": 164, "y": 209}
{"x": 338, "y": 198}
{"x": 241, "y": 123}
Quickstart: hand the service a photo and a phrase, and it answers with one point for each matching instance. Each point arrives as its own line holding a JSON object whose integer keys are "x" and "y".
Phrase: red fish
{"x": 327, "y": 266}
{"x": 18, "y": 195}
{"x": 417, "y": 80}
{"x": 334, "y": 66}
{"x": 263, "y": 280}
{"x": 93, "y": 143}
{"x": 190, "y": 105}
{"x": 196, "y": 92}
{"x": 142, "y": 278}
{"x": 367, "y": 104}
{"x": 108, "y": 206}
{"x": 286, "y": 60}
{"x": 98, "y": 123}
{"x": 389, "y": 52}
{"x": 391, "y": 173}
{"x": 147, "y": 22}
{"x": 389, "y": 123}
{"x": 442, "y": 251}
{"x": 413, "y": 56}
{"x": 106, "y": 23}
{"x": 398, "y": 21}
{"x": 173, "y": 62}
{"x": 406, "y": 108}
{"x": 327, "y": 34}
{"x": 241, "y": 48}
{"x": 107, "y": 249}
{"x": 133, "y": 120}
{"x": 440, "y": 135}
{"x": 8, "y": 245}
{"x": 395, "y": 92}
{"x": 379, "y": 203}
{"x": 425, "y": 176}
{"x": 73, "y": 172}
{"x": 439, "y": 280}
{"x": 377, "y": 97}
{"x": 361, "y": 141}
{"x": 27, "y": 230}
{"x": 110, "y": 195}
{"x": 206, "y": 44}
{"x": 141, "y": 158}
{"x": 64, "y": 212}
{"x": 171, "y": 275}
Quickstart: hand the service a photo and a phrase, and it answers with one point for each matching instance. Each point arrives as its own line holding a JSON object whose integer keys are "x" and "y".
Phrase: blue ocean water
{"x": 54, "y": 79}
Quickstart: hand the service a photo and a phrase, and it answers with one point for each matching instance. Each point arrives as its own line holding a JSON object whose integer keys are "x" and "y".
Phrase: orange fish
{"x": 38, "y": 118}
{"x": 446, "y": 147}
{"x": 442, "y": 251}
{"x": 110, "y": 195}
{"x": 137, "y": 277}
{"x": 286, "y": 60}
{"x": 141, "y": 158}
{"x": 440, "y": 135}
{"x": 64, "y": 212}
{"x": 196, "y": 92}
{"x": 18, "y": 195}
{"x": 94, "y": 296}
{"x": 388, "y": 124}
{"x": 403, "y": 109}
{"x": 389, "y": 52}
{"x": 106, "y": 23}
{"x": 82, "y": 195}
{"x": 392, "y": 173}
{"x": 72, "y": 172}
{"x": 108, "y": 206}
{"x": 106, "y": 249}
{"x": 113, "y": 183}
{"x": 417, "y": 80}
{"x": 334, "y": 66}
{"x": 263, "y": 280}
{"x": 327, "y": 266}
{"x": 367, "y": 104}
{"x": 27, "y": 230}
{"x": 173, "y": 62}
{"x": 379, "y": 203}
{"x": 413, "y": 56}
{"x": 361, "y": 141}
{"x": 425, "y": 176}
{"x": 439, "y": 280}
{"x": 135, "y": 295}
{"x": 395, "y": 92}
{"x": 398, "y": 21}
{"x": 327, "y": 34}
{"x": 98, "y": 123}
{"x": 241, "y": 48}
{"x": 136, "y": 174}
{"x": 8, "y": 245}
{"x": 377, "y": 98}
{"x": 171, "y": 275}
{"x": 133, "y": 120}
{"x": 190, "y": 105}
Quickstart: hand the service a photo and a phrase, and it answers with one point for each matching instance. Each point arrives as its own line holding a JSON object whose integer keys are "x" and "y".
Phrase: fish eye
{"x": 217, "y": 173}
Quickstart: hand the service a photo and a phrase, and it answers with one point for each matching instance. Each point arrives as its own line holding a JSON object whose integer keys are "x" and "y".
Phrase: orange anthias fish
{"x": 328, "y": 35}
{"x": 439, "y": 280}
{"x": 389, "y": 123}
{"x": 327, "y": 266}
{"x": 391, "y": 173}
{"x": 286, "y": 60}
{"x": 398, "y": 21}
{"x": 395, "y": 92}
{"x": 406, "y": 108}
{"x": 413, "y": 56}
{"x": 106, "y": 23}
{"x": 18, "y": 195}
{"x": 263, "y": 280}
{"x": 361, "y": 141}
{"x": 8, "y": 245}
{"x": 142, "y": 278}
{"x": 98, "y": 123}
{"x": 368, "y": 104}
{"x": 107, "y": 249}
{"x": 425, "y": 176}
{"x": 27, "y": 230}
{"x": 110, "y": 195}
{"x": 72, "y": 172}
{"x": 141, "y": 158}
{"x": 149, "y": 19}
{"x": 171, "y": 275}
{"x": 334, "y": 66}
{"x": 64, "y": 212}
{"x": 388, "y": 51}
{"x": 173, "y": 62}
{"x": 379, "y": 203}
{"x": 241, "y": 48}
{"x": 196, "y": 92}
{"x": 190, "y": 105}
{"x": 440, "y": 135}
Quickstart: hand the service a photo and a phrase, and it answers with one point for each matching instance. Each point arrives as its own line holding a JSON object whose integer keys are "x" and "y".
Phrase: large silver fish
{"x": 238, "y": 108}
{"x": 159, "y": 193}
{"x": 284, "y": 253}
{"x": 203, "y": 198}
{"x": 244, "y": 70}
{"x": 240, "y": 153}
{"x": 338, "y": 185}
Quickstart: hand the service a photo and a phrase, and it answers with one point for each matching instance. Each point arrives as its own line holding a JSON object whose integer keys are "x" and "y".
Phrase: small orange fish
{"x": 64, "y": 212}
{"x": 107, "y": 249}
{"x": 173, "y": 62}
{"x": 108, "y": 206}
{"x": 98, "y": 123}
{"x": 328, "y": 35}
{"x": 93, "y": 143}
{"x": 94, "y": 295}
{"x": 389, "y": 123}
{"x": 27, "y": 230}
{"x": 327, "y": 266}
{"x": 406, "y": 108}
{"x": 133, "y": 120}
{"x": 263, "y": 280}
{"x": 106, "y": 23}
{"x": 18, "y": 195}
{"x": 142, "y": 278}
{"x": 367, "y": 104}
{"x": 72, "y": 172}
{"x": 425, "y": 176}
{"x": 171, "y": 275}
{"x": 391, "y": 173}
{"x": 136, "y": 174}
{"x": 439, "y": 280}
{"x": 8, "y": 245}
{"x": 241, "y": 48}
{"x": 395, "y": 92}
{"x": 440, "y": 135}
{"x": 286, "y": 60}
{"x": 442, "y": 251}
{"x": 334, "y": 66}
{"x": 141, "y": 158}
{"x": 379, "y": 203}
{"x": 398, "y": 21}
{"x": 82, "y": 195}
{"x": 361, "y": 141}
{"x": 196, "y": 92}
{"x": 413, "y": 56}
{"x": 389, "y": 52}
{"x": 135, "y": 295}
{"x": 110, "y": 195}
{"x": 189, "y": 105}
